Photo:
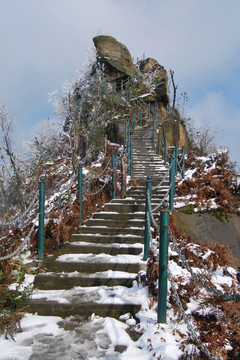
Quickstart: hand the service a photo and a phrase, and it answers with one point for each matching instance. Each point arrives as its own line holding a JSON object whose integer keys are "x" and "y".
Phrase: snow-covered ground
{"x": 47, "y": 338}
{"x": 108, "y": 338}
{"x": 98, "y": 338}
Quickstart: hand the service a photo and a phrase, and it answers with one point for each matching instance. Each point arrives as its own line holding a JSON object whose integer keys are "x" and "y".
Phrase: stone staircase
{"x": 106, "y": 255}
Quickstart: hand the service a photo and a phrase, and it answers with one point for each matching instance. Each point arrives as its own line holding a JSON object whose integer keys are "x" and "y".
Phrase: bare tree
{"x": 9, "y": 160}
{"x": 202, "y": 138}
{"x": 174, "y": 88}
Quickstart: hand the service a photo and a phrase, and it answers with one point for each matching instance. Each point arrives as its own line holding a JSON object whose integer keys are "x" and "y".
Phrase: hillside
{"x": 120, "y": 106}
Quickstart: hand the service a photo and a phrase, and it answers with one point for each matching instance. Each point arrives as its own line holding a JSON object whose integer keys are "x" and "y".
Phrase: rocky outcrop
{"x": 174, "y": 131}
{"x": 115, "y": 56}
{"x": 205, "y": 228}
{"x": 160, "y": 76}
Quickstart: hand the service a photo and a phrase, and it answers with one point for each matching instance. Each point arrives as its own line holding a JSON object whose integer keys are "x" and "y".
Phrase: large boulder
{"x": 160, "y": 76}
{"x": 115, "y": 56}
{"x": 174, "y": 131}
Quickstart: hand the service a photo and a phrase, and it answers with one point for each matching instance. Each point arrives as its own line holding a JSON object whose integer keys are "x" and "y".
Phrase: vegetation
{"x": 12, "y": 293}
{"x": 212, "y": 186}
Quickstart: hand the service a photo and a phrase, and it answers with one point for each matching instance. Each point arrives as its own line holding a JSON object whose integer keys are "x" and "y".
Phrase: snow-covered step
{"x": 112, "y": 231}
{"x": 124, "y": 208}
{"x": 116, "y": 222}
{"x": 63, "y": 280}
{"x": 118, "y": 216}
{"x": 83, "y": 301}
{"x": 107, "y": 239}
{"x": 89, "y": 263}
{"x": 85, "y": 247}
{"x": 133, "y": 201}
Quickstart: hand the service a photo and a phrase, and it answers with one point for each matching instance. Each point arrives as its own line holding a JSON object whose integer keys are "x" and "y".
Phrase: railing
{"x": 176, "y": 163}
{"x": 39, "y": 199}
{"x": 164, "y": 273}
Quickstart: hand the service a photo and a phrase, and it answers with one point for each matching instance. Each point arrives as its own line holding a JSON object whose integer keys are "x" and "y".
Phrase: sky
{"x": 44, "y": 43}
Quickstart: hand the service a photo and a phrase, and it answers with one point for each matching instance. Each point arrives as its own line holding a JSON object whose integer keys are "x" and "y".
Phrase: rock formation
{"x": 150, "y": 84}
{"x": 115, "y": 56}
{"x": 174, "y": 131}
{"x": 161, "y": 90}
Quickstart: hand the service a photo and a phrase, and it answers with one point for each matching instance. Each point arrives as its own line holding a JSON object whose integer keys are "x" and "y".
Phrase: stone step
{"x": 81, "y": 247}
{"x": 89, "y": 263}
{"x": 147, "y": 171}
{"x": 132, "y": 201}
{"x": 150, "y": 164}
{"x": 111, "y": 231}
{"x": 83, "y": 308}
{"x": 121, "y": 208}
{"x": 107, "y": 239}
{"x": 56, "y": 281}
{"x": 141, "y": 198}
{"x": 117, "y": 216}
{"x": 124, "y": 208}
{"x": 155, "y": 192}
{"x": 116, "y": 223}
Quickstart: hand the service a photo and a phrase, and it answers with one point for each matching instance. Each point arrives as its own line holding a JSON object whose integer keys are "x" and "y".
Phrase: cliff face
{"x": 146, "y": 79}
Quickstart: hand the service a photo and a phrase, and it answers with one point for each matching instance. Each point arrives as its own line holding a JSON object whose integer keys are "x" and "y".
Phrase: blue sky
{"x": 44, "y": 42}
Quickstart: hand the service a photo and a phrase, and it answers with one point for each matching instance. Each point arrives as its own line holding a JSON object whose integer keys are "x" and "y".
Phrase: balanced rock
{"x": 115, "y": 56}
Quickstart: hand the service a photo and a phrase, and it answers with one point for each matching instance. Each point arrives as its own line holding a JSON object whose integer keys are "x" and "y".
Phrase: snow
{"x": 103, "y": 274}
{"x": 102, "y": 258}
{"x": 100, "y": 338}
{"x": 112, "y": 245}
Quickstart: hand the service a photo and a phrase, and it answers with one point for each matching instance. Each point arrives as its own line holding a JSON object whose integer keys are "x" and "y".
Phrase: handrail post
{"x": 149, "y": 110}
{"x": 165, "y": 150}
{"x": 129, "y": 131}
{"x": 171, "y": 182}
{"x": 113, "y": 176}
{"x": 163, "y": 264}
{"x": 147, "y": 218}
{"x": 140, "y": 118}
{"x": 131, "y": 159}
{"x": 126, "y": 132}
{"x": 41, "y": 219}
{"x": 121, "y": 87}
{"x": 183, "y": 162}
{"x": 159, "y": 142}
{"x": 153, "y": 131}
{"x": 137, "y": 102}
{"x": 80, "y": 181}
{"x": 176, "y": 158}
{"x": 127, "y": 135}
{"x": 134, "y": 116}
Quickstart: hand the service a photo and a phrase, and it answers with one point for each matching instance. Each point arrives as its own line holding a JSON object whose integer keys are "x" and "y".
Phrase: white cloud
{"x": 223, "y": 117}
